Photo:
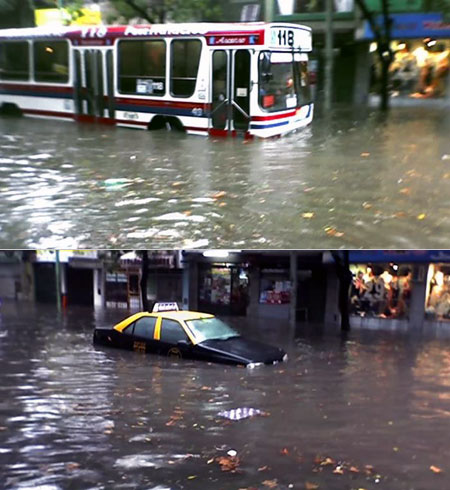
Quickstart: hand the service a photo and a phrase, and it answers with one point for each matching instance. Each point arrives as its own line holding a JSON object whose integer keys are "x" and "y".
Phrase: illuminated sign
{"x": 158, "y": 307}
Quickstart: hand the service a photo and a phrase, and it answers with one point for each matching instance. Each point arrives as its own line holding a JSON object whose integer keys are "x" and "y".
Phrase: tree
{"x": 16, "y": 13}
{"x": 382, "y": 34}
{"x": 160, "y": 11}
{"x": 144, "y": 279}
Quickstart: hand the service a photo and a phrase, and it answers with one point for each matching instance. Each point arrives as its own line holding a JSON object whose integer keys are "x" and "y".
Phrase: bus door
{"x": 230, "y": 110}
{"x": 91, "y": 96}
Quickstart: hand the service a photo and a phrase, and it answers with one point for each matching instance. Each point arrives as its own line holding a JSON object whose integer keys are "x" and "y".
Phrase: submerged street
{"x": 370, "y": 410}
{"x": 352, "y": 179}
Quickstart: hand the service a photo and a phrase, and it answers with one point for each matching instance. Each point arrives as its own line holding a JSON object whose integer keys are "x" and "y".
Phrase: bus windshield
{"x": 211, "y": 328}
{"x": 283, "y": 81}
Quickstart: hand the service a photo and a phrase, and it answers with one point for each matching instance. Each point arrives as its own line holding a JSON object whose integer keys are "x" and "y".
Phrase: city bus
{"x": 217, "y": 79}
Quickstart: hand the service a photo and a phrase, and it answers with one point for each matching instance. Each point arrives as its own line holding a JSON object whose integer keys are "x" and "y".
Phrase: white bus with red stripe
{"x": 203, "y": 78}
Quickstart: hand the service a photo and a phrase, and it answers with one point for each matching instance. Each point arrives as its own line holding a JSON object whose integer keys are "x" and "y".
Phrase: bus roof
{"x": 216, "y": 34}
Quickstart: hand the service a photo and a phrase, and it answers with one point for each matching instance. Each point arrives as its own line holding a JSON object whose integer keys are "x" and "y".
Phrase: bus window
{"x": 302, "y": 82}
{"x": 142, "y": 67}
{"x": 51, "y": 61}
{"x": 14, "y": 61}
{"x": 276, "y": 82}
{"x": 185, "y": 58}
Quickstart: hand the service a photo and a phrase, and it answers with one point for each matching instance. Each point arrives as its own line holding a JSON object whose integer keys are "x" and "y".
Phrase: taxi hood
{"x": 242, "y": 350}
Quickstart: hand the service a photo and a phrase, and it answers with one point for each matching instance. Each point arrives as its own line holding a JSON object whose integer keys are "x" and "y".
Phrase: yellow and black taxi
{"x": 188, "y": 334}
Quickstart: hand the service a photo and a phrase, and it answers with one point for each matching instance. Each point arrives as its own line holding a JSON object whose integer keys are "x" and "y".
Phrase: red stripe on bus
{"x": 274, "y": 116}
{"x": 37, "y": 88}
{"x": 133, "y": 123}
{"x": 192, "y": 128}
{"x": 48, "y": 113}
{"x": 163, "y": 103}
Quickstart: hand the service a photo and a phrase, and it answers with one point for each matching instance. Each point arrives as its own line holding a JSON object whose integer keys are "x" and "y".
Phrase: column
{"x": 294, "y": 287}
{"x": 417, "y": 301}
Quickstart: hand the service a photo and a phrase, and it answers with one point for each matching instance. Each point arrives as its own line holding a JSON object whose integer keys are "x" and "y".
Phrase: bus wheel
{"x": 9, "y": 109}
{"x": 166, "y": 122}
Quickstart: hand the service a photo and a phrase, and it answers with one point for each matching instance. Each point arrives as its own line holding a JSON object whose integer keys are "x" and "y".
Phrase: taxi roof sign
{"x": 167, "y": 306}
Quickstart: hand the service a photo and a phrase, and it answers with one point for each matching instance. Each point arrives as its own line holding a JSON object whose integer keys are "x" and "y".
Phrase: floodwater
{"x": 353, "y": 179}
{"x": 369, "y": 411}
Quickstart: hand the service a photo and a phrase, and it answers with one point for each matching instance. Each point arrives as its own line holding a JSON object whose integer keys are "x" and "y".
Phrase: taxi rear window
{"x": 145, "y": 327}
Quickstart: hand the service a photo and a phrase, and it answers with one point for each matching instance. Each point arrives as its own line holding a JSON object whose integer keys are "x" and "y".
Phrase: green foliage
{"x": 168, "y": 10}
{"x": 74, "y": 9}
{"x": 437, "y": 6}
{"x": 8, "y": 5}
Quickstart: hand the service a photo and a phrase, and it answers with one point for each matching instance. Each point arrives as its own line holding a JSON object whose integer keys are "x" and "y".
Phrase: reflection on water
{"x": 350, "y": 180}
{"x": 75, "y": 416}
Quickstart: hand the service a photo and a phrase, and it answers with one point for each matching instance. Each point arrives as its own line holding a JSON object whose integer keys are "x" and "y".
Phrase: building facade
{"x": 402, "y": 290}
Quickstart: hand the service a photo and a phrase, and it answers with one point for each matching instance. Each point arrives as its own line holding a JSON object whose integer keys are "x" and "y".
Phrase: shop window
{"x": 142, "y": 67}
{"x": 185, "y": 58}
{"x": 116, "y": 289}
{"x": 14, "y": 61}
{"x": 275, "y": 288}
{"x": 419, "y": 69}
{"x": 215, "y": 286}
{"x": 172, "y": 332}
{"x": 437, "y": 306}
{"x": 381, "y": 290}
{"x": 51, "y": 61}
{"x": 145, "y": 327}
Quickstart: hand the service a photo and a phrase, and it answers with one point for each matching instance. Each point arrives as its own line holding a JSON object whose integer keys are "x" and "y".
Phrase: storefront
{"x": 421, "y": 50}
{"x": 223, "y": 288}
{"x": 437, "y": 300}
{"x": 404, "y": 288}
{"x": 381, "y": 290}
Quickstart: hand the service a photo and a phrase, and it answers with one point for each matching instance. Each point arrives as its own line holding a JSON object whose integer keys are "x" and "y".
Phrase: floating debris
{"x": 240, "y": 413}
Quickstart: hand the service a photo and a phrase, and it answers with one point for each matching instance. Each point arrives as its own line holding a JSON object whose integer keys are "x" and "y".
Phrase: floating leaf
{"x": 191, "y": 477}
{"x": 228, "y": 463}
{"x": 219, "y": 194}
{"x": 270, "y": 483}
{"x": 311, "y": 486}
{"x": 421, "y": 216}
{"x": 365, "y": 154}
{"x": 405, "y": 190}
{"x": 435, "y": 469}
{"x": 308, "y": 215}
{"x": 338, "y": 470}
{"x": 332, "y": 231}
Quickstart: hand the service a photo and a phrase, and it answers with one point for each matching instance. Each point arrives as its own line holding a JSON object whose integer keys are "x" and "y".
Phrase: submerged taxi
{"x": 187, "y": 334}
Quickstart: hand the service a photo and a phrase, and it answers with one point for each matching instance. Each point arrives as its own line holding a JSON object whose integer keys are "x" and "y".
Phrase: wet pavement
{"x": 352, "y": 179}
{"x": 368, "y": 411}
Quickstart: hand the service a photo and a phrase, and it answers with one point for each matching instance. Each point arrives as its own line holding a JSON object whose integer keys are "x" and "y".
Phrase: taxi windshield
{"x": 211, "y": 328}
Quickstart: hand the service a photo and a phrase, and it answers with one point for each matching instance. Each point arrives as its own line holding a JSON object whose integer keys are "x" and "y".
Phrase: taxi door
{"x": 144, "y": 333}
{"x": 173, "y": 340}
